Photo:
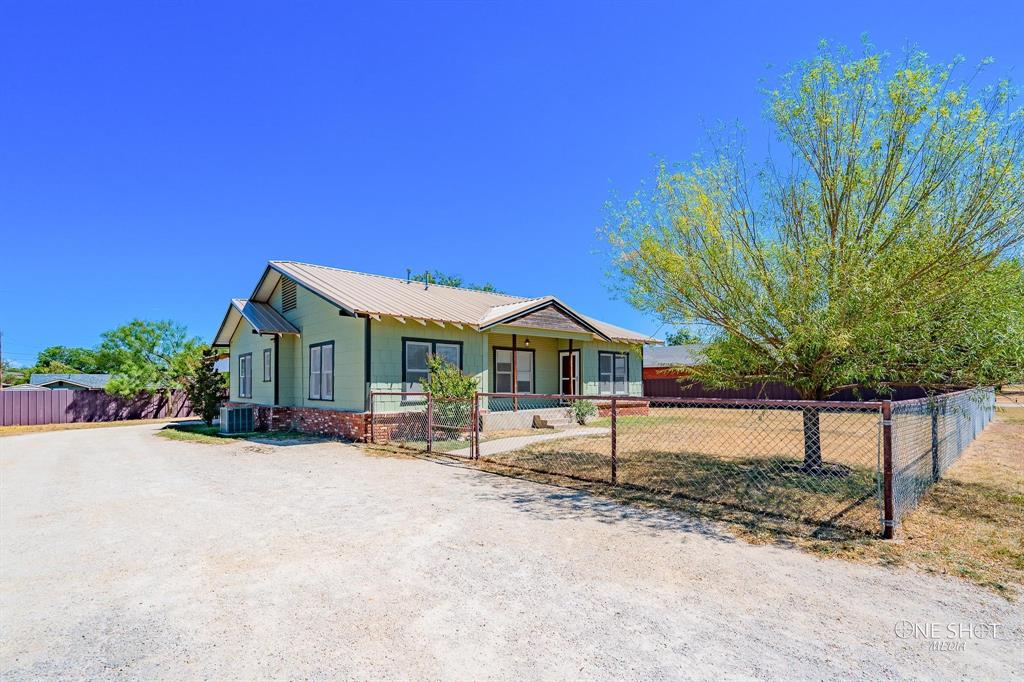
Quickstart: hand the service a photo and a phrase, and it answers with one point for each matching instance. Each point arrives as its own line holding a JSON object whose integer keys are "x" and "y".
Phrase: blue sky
{"x": 153, "y": 156}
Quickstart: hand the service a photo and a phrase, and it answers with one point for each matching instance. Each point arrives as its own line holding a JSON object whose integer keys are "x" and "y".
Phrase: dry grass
{"x": 40, "y": 428}
{"x": 971, "y": 523}
{"x": 1011, "y": 394}
{"x": 747, "y": 459}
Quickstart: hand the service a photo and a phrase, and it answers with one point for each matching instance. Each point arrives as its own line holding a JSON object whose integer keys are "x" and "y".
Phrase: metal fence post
{"x": 889, "y": 517}
{"x": 475, "y": 437}
{"x": 373, "y": 435}
{"x": 935, "y": 440}
{"x": 430, "y": 423}
{"x": 615, "y": 467}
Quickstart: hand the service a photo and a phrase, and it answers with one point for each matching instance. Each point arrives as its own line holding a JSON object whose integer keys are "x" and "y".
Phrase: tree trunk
{"x": 812, "y": 439}
{"x": 812, "y": 431}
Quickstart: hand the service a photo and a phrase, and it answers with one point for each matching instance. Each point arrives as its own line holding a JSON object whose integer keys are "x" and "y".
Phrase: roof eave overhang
{"x": 217, "y": 343}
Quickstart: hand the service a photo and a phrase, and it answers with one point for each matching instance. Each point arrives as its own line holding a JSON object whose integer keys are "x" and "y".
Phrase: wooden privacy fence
{"x": 672, "y": 387}
{"x": 28, "y": 408}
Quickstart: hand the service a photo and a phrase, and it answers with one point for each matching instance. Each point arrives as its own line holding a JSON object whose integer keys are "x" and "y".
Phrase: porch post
{"x": 515, "y": 375}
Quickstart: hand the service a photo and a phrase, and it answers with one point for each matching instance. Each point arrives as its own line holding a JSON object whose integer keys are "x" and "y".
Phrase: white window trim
{"x": 625, "y": 379}
{"x": 514, "y": 380}
{"x": 245, "y": 375}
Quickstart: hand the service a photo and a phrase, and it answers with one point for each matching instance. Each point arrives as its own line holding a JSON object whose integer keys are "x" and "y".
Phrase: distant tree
{"x": 203, "y": 384}
{"x": 149, "y": 357}
{"x": 878, "y": 248}
{"x": 681, "y": 337}
{"x": 444, "y": 279}
{"x": 72, "y": 360}
{"x": 13, "y": 375}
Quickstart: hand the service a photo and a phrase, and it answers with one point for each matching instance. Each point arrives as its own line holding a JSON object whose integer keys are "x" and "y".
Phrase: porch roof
{"x": 262, "y": 316}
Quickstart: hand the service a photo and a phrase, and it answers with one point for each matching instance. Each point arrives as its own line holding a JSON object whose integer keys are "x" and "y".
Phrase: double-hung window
{"x": 267, "y": 374}
{"x": 503, "y": 371}
{"x": 245, "y": 375}
{"x": 613, "y": 373}
{"x": 321, "y": 371}
{"x": 414, "y": 359}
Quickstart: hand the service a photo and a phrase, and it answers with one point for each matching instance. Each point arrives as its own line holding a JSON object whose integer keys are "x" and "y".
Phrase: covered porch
{"x": 537, "y": 371}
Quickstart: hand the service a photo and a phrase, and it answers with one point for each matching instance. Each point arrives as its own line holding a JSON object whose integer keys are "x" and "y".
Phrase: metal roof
{"x": 263, "y": 317}
{"x": 361, "y": 293}
{"x": 674, "y": 356}
{"x": 97, "y": 381}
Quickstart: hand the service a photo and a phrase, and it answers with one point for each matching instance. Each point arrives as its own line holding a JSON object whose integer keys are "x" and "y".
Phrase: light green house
{"x": 321, "y": 338}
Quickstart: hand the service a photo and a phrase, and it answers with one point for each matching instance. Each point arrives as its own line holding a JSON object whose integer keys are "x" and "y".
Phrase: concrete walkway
{"x": 500, "y": 445}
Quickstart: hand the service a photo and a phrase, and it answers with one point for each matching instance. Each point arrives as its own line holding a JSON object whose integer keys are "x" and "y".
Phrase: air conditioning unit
{"x": 236, "y": 420}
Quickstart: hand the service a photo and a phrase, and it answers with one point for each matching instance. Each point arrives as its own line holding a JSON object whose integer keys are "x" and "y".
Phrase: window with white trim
{"x": 245, "y": 375}
{"x": 267, "y": 365}
{"x": 503, "y": 371}
{"x": 613, "y": 373}
{"x": 321, "y": 371}
{"x": 415, "y": 354}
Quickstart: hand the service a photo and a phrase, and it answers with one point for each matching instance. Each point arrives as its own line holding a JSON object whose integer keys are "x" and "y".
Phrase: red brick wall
{"x": 332, "y": 423}
{"x": 625, "y": 408}
{"x": 335, "y": 424}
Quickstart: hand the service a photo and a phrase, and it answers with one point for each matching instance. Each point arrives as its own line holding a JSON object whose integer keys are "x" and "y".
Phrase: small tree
{"x": 149, "y": 357}
{"x": 452, "y": 391}
{"x": 204, "y": 385}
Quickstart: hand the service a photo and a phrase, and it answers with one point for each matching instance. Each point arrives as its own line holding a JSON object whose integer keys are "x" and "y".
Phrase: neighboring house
{"x": 70, "y": 382}
{"x": 666, "y": 362}
{"x": 312, "y": 337}
{"x": 24, "y": 387}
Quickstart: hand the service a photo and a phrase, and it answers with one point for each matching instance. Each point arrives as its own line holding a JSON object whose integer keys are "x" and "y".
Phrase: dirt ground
{"x": 128, "y": 556}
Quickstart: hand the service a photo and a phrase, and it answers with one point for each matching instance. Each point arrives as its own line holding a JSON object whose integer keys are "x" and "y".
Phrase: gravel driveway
{"x": 125, "y": 555}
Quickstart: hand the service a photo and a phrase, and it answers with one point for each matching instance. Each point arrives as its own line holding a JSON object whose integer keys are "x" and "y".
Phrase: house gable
{"x": 550, "y": 317}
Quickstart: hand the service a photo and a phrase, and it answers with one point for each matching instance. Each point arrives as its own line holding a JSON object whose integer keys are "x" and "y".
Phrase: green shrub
{"x": 452, "y": 391}
{"x": 582, "y": 410}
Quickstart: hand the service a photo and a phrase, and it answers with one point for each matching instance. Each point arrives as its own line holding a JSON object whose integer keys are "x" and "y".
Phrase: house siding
{"x": 386, "y": 350}
{"x": 320, "y": 321}
{"x": 589, "y": 361}
{"x": 244, "y": 341}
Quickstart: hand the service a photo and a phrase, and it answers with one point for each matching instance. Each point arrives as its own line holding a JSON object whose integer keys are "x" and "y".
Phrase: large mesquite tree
{"x": 880, "y": 247}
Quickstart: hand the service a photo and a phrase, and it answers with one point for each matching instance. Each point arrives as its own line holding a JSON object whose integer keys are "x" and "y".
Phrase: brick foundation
{"x": 335, "y": 424}
{"x": 312, "y": 420}
{"x": 625, "y": 408}
{"x": 386, "y": 426}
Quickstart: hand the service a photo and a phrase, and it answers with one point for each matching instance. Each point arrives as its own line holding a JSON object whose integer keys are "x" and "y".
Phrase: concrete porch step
{"x": 550, "y": 422}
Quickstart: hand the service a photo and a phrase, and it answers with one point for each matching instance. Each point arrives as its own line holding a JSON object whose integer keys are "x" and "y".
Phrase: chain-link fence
{"x": 420, "y": 421}
{"x": 858, "y": 465}
{"x": 928, "y": 436}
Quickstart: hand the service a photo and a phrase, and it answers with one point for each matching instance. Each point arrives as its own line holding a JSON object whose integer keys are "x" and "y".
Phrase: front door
{"x": 569, "y": 372}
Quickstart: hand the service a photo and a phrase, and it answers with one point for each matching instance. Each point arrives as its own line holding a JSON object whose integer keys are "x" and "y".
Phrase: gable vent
{"x": 287, "y": 295}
